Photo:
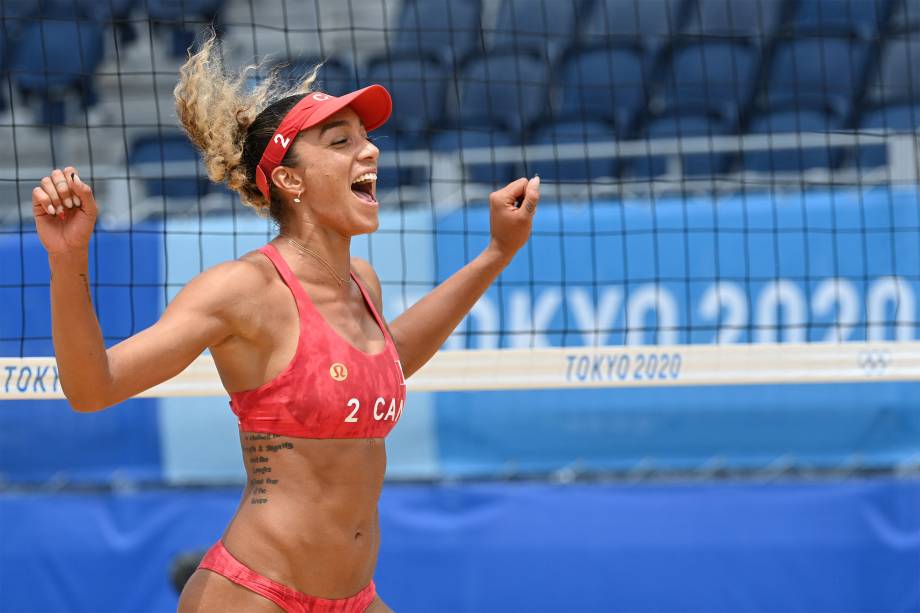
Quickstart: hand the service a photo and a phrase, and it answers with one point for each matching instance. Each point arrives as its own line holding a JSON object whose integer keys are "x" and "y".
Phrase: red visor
{"x": 372, "y": 104}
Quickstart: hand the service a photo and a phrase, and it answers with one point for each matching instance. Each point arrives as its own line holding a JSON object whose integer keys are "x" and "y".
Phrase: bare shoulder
{"x": 230, "y": 292}
{"x": 229, "y": 281}
{"x": 369, "y": 278}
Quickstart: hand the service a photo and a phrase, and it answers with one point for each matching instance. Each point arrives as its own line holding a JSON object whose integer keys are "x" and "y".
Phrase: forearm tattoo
{"x": 86, "y": 287}
{"x": 259, "y": 450}
{"x": 83, "y": 278}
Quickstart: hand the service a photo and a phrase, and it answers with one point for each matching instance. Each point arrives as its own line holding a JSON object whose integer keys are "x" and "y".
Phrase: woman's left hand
{"x": 511, "y": 222}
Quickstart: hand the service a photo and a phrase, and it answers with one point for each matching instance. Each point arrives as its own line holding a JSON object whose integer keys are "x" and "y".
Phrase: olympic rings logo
{"x": 874, "y": 362}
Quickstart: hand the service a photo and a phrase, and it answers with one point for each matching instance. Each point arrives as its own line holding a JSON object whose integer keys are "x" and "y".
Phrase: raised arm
{"x": 92, "y": 377}
{"x": 423, "y": 328}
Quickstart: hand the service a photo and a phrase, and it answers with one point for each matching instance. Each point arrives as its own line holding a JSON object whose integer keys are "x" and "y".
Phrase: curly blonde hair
{"x": 230, "y": 125}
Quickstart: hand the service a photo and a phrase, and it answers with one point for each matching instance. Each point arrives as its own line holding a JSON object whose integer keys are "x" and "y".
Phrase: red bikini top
{"x": 330, "y": 389}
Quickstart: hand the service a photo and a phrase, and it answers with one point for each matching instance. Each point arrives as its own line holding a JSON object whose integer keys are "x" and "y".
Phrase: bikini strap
{"x": 304, "y": 304}
{"x": 370, "y": 304}
{"x": 287, "y": 275}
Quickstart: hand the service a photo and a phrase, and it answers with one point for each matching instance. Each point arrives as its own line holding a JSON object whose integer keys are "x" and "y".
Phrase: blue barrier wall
{"x": 501, "y": 548}
{"x": 44, "y": 440}
{"x": 797, "y": 267}
{"x": 814, "y": 266}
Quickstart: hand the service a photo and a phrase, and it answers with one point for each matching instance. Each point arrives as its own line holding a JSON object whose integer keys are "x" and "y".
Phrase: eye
{"x": 340, "y": 141}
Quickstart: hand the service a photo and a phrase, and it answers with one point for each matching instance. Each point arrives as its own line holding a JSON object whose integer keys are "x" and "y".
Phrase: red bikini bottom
{"x": 222, "y": 562}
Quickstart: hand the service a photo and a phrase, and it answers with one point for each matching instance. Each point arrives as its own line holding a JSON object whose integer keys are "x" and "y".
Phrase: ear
{"x": 288, "y": 180}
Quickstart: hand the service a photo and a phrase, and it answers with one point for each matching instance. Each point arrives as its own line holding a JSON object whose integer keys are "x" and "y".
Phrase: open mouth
{"x": 364, "y": 187}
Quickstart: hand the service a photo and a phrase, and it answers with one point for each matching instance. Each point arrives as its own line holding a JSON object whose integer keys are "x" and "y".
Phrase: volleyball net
{"x": 729, "y": 187}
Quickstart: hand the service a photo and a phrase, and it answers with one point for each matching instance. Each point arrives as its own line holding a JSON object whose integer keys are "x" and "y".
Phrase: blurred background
{"x": 715, "y": 172}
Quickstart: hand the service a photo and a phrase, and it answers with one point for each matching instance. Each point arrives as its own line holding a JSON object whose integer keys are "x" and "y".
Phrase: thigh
{"x": 208, "y": 592}
{"x": 378, "y": 606}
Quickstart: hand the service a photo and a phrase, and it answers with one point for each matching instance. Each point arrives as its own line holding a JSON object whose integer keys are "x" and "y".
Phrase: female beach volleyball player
{"x": 317, "y": 381}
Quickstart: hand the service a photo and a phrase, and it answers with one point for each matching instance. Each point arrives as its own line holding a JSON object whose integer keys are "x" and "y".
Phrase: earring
{"x": 297, "y": 199}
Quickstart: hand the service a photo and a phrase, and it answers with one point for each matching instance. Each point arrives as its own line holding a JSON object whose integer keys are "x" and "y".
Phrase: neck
{"x": 319, "y": 251}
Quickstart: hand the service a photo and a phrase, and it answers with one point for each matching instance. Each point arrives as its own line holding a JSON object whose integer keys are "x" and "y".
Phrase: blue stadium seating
{"x": 813, "y": 72}
{"x": 16, "y": 16}
{"x": 546, "y": 26}
{"x": 753, "y": 20}
{"x": 150, "y": 152}
{"x": 896, "y": 118}
{"x": 679, "y": 125}
{"x": 418, "y": 87}
{"x": 862, "y": 18}
{"x": 182, "y": 10}
{"x": 905, "y": 15}
{"x": 184, "y": 18}
{"x": 459, "y": 139}
{"x": 574, "y": 131}
{"x": 505, "y": 89}
{"x": 335, "y": 76}
{"x": 791, "y": 122}
{"x": 4, "y": 70}
{"x": 55, "y": 61}
{"x": 710, "y": 77}
{"x": 391, "y": 141}
{"x": 898, "y": 78}
{"x": 114, "y": 13}
{"x": 18, "y": 9}
{"x": 648, "y": 23}
{"x": 106, "y": 11}
{"x": 446, "y": 29}
{"x": 608, "y": 84}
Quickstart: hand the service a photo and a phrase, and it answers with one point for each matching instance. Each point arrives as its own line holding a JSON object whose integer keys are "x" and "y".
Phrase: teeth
{"x": 370, "y": 176}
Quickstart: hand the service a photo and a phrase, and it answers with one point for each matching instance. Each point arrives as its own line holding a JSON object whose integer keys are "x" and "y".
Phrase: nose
{"x": 370, "y": 151}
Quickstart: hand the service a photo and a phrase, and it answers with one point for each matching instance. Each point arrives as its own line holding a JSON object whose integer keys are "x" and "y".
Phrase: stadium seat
{"x": 14, "y": 10}
{"x": 648, "y": 23}
{"x": 495, "y": 174}
{"x": 861, "y": 18}
{"x": 184, "y": 18}
{"x": 336, "y": 76}
{"x": 504, "y": 89}
{"x": 813, "y": 72}
{"x": 709, "y": 77}
{"x": 54, "y": 62}
{"x": 895, "y": 118}
{"x": 544, "y": 26}
{"x": 114, "y": 13}
{"x": 167, "y": 162}
{"x": 182, "y": 10}
{"x": 4, "y": 70}
{"x": 752, "y": 20}
{"x": 674, "y": 127}
{"x": 898, "y": 77}
{"x": 605, "y": 84}
{"x": 574, "y": 131}
{"x": 418, "y": 87}
{"x": 446, "y": 29}
{"x": 789, "y": 160}
{"x": 905, "y": 16}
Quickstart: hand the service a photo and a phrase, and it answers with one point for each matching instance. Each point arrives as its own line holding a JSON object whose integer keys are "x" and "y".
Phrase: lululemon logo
{"x": 338, "y": 371}
{"x": 320, "y": 97}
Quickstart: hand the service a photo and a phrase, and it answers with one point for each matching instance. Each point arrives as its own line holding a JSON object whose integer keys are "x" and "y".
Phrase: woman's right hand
{"x": 65, "y": 212}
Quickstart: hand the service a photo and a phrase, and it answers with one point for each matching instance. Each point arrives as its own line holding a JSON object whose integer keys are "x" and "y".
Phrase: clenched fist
{"x": 65, "y": 212}
{"x": 511, "y": 211}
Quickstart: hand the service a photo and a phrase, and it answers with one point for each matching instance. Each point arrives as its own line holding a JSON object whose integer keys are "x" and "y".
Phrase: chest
{"x": 348, "y": 318}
